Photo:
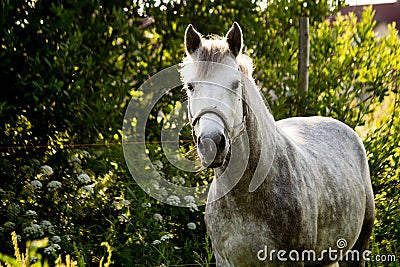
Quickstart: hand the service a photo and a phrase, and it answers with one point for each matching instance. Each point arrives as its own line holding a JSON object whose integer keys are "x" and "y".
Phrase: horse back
{"x": 322, "y": 138}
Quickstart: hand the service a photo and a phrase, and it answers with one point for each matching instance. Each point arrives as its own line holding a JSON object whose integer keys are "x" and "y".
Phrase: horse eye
{"x": 190, "y": 86}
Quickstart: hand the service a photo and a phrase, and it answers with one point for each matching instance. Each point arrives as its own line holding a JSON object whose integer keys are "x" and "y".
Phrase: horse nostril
{"x": 221, "y": 144}
{"x": 211, "y": 143}
{"x": 211, "y": 149}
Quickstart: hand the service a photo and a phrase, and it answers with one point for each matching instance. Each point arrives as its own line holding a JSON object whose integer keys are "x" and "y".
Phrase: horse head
{"x": 213, "y": 84}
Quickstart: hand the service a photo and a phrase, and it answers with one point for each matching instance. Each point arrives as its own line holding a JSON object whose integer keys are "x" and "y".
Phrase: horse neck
{"x": 261, "y": 132}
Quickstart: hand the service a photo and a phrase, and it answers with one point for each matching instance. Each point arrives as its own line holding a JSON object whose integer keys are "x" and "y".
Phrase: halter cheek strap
{"x": 234, "y": 132}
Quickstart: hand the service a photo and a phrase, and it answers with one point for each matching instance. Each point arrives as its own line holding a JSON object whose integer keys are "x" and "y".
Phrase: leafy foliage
{"x": 69, "y": 68}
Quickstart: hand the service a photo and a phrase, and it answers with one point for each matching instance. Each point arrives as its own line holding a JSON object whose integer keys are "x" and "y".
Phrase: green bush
{"x": 354, "y": 77}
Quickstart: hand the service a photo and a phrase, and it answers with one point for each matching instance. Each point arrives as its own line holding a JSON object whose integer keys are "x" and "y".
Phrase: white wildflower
{"x": 178, "y": 180}
{"x": 146, "y": 205}
{"x": 189, "y": 199}
{"x": 84, "y": 178}
{"x": 36, "y": 184}
{"x": 56, "y": 239}
{"x": 191, "y": 226}
{"x": 157, "y": 217}
{"x": 46, "y": 169}
{"x": 47, "y": 226}
{"x": 192, "y": 206}
{"x": 32, "y": 260}
{"x": 30, "y": 213}
{"x": 49, "y": 250}
{"x": 163, "y": 265}
{"x": 87, "y": 190}
{"x": 166, "y": 237}
{"x": 85, "y": 154}
{"x": 158, "y": 165}
{"x": 126, "y": 202}
{"x": 118, "y": 204}
{"x": 156, "y": 185}
{"x": 163, "y": 192}
{"x": 156, "y": 242}
{"x": 54, "y": 185}
{"x": 75, "y": 159}
{"x": 123, "y": 218}
{"x": 173, "y": 200}
{"x": 34, "y": 230}
{"x": 56, "y": 247}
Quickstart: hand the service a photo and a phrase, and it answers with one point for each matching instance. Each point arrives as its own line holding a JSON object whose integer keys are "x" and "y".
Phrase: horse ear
{"x": 192, "y": 39}
{"x": 234, "y": 38}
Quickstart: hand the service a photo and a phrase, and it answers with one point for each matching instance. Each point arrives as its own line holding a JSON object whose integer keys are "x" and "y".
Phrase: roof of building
{"x": 386, "y": 13}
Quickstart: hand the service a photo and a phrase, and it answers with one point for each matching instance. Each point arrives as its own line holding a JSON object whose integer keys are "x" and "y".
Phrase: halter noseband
{"x": 233, "y": 132}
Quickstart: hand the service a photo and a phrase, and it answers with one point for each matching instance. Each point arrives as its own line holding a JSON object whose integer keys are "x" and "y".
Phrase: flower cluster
{"x": 56, "y": 239}
{"x": 87, "y": 190}
{"x": 173, "y": 200}
{"x": 84, "y": 178}
{"x": 156, "y": 242}
{"x": 85, "y": 154}
{"x": 54, "y": 185}
{"x": 52, "y": 249}
{"x": 31, "y": 213}
{"x": 178, "y": 180}
{"x": 166, "y": 237}
{"x": 47, "y": 226}
{"x": 33, "y": 231}
{"x": 190, "y": 203}
{"x": 189, "y": 199}
{"x": 120, "y": 204}
{"x": 163, "y": 239}
{"x": 46, "y": 169}
{"x": 146, "y": 205}
{"x": 157, "y": 217}
{"x": 75, "y": 159}
{"x": 36, "y": 184}
{"x": 191, "y": 226}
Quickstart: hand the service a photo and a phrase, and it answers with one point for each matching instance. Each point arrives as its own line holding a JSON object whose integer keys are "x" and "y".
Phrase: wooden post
{"x": 303, "y": 65}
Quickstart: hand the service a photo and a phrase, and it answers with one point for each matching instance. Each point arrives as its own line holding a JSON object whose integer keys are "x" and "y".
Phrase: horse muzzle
{"x": 212, "y": 149}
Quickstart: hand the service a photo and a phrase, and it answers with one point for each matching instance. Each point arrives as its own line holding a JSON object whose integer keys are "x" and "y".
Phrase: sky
{"x": 368, "y": 2}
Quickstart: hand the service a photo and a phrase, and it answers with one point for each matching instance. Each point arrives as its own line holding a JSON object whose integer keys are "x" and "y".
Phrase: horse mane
{"x": 215, "y": 50}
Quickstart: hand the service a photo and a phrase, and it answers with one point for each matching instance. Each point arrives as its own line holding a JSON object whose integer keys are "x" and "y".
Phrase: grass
{"x": 33, "y": 259}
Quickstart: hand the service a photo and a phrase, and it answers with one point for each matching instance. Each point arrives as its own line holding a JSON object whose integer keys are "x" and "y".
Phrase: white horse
{"x": 298, "y": 192}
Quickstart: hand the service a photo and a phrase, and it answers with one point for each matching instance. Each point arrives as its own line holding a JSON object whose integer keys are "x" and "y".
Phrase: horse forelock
{"x": 215, "y": 50}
